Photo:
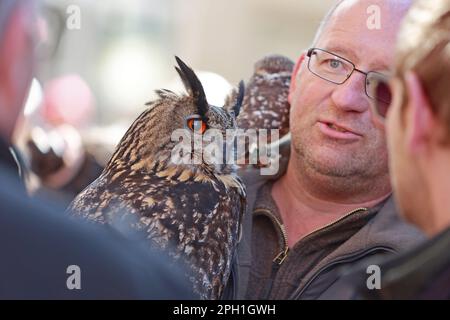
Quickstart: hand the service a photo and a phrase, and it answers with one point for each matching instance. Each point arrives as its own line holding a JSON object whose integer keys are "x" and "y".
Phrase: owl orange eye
{"x": 196, "y": 125}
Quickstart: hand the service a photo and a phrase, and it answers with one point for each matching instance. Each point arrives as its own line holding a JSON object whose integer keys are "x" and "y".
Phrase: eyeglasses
{"x": 335, "y": 69}
{"x": 382, "y": 91}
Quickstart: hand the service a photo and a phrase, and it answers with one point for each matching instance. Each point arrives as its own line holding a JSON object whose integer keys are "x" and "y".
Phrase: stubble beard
{"x": 354, "y": 173}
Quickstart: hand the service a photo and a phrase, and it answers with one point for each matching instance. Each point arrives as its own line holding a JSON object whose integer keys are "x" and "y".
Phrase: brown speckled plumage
{"x": 265, "y": 104}
{"x": 192, "y": 211}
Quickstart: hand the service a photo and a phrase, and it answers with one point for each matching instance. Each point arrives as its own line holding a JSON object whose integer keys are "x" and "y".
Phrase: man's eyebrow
{"x": 349, "y": 54}
{"x": 342, "y": 51}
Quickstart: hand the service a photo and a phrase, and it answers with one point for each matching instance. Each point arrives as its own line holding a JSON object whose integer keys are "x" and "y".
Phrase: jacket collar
{"x": 417, "y": 269}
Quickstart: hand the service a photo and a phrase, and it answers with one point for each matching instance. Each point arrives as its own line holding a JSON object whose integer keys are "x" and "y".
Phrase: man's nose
{"x": 351, "y": 95}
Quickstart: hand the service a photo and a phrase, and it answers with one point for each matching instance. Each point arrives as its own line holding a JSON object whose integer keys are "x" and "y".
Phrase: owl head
{"x": 183, "y": 130}
{"x": 214, "y": 126}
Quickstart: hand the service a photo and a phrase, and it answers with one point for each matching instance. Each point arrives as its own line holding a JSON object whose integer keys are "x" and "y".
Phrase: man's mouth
{"x": 334, "y": 127}
{"x": 336, "y": 131}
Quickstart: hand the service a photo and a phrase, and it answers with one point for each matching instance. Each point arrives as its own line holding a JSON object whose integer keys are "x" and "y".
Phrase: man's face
{"x": 406, "y": 175}
{"x": 361, "y": 152}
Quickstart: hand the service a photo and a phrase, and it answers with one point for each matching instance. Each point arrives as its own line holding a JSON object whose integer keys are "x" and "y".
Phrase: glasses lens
{"x": 379, "y": 90}
{"x": 383, "y": 98}
{"x": 329, "y": 66}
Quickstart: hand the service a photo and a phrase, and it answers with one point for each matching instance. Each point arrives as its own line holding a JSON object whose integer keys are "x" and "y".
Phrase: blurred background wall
{"x": 100, "y": 61}
{"x": 124, "y": 49}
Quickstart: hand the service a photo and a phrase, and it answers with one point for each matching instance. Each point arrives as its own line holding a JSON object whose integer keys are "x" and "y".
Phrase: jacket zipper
{"x": 297, "y": 294}
{"x": 281, "y": 257}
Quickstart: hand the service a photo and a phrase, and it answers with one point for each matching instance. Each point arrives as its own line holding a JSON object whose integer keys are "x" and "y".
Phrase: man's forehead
{"x": 347, "y": 32}
{"x": 360, "y": 15}
{"x": 361, "y": 6}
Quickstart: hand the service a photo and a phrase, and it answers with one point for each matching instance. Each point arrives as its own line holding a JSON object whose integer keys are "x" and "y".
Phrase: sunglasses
{"x": 382, "y": 93}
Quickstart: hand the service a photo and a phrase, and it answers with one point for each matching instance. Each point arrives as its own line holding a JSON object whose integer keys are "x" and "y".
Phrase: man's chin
{"x": 333, "y": 164}
{"x": 330, "y": 159}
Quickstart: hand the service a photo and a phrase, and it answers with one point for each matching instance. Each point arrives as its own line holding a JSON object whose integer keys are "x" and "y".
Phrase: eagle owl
{"x": 193, "y": 211}
{"x": 265, "y": 104}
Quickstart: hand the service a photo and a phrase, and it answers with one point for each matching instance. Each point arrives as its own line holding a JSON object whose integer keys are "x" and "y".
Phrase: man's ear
{"x": 421, "y": 118}
{"x": 297, "y": 66}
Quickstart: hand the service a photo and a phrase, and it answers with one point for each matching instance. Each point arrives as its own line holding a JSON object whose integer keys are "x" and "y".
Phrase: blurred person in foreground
{"x": 332, "y": 206}
{"x": 46, "y": 255}
{"x": 418, "y": 129}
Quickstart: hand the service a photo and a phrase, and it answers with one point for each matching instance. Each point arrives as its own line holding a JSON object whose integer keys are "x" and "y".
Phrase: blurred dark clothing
{"x": 422, "y": 273}
{"x": 7, "y": 160}
{"x": 38, "y": 243}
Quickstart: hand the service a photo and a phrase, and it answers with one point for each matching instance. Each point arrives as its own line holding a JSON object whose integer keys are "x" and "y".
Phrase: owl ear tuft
{"x": 239, "y": 99}
{"x": 193, "y": 87}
